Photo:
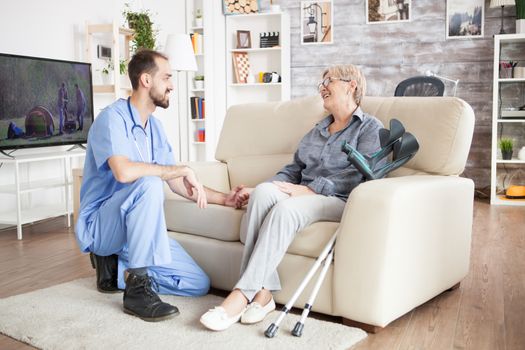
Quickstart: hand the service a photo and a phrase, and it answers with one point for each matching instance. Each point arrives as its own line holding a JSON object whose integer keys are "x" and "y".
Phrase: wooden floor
{"x": 486, "y": 312}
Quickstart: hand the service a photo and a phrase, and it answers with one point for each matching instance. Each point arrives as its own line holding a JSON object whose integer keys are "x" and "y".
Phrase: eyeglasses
{"x": 326, "y": 81}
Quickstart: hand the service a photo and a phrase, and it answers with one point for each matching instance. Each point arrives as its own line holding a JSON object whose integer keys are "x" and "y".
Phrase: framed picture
{"x": 317, "y": 22}
{"x": 241, "y": 66}
{"x": 237, "y": 7}
{"x": 465, "y": 19}
{"x": 244, "y": 40}
{"x": 387, "y": 11}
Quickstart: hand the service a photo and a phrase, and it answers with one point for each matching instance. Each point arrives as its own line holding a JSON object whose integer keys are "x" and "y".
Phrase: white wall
{"x": 55, "y": 29}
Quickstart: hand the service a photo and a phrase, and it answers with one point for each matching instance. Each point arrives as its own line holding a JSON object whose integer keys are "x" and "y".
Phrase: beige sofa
{"x": 403, "y": 239}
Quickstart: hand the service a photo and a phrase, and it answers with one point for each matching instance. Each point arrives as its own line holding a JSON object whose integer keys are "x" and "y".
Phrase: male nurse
{"x": 121, "y": 220}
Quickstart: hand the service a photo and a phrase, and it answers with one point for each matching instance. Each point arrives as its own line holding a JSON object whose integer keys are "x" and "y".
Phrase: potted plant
{"x": 198, "y": 81}
{"x": 520, "y": 16}
{"x": 505, "y": 144}
{"x": 141, "y": 23}
{"x": 107, "y": 71}
{"x": 107, "y": 74}
{"x": 198, "y": 18}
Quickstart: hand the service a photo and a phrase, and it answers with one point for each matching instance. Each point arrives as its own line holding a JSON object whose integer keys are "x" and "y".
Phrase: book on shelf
{"x": 197, "y": 107}
{"x": 200, "y": 135}
{"x": 196, "y": 42}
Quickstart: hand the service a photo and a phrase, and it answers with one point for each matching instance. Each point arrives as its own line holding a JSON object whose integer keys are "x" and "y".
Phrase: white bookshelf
{"x": 505, "y": 120}
{"x": 208, "y": 62}
{"x": 275, "y": 59}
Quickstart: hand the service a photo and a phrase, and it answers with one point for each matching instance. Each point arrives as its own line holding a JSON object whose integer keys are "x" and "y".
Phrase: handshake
{"x": 238, "y": 197}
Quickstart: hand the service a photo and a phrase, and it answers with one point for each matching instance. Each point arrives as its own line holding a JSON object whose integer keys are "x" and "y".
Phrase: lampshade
{"x": 498, "y": 3}
{"x": 180, "y": 52}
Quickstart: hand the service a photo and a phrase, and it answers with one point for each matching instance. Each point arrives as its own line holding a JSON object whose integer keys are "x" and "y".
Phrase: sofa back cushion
{"x": 258, "y": 139}
{"x": 443, "y": 127}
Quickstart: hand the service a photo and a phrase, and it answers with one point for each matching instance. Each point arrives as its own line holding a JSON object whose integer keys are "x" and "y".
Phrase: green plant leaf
{"x": 506, "y": 144}
{"x": 140, "y": 22}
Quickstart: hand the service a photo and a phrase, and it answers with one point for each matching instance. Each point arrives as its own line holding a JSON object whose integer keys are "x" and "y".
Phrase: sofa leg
{"x": 364, "y": 326}
{"x": 454, "y": 287}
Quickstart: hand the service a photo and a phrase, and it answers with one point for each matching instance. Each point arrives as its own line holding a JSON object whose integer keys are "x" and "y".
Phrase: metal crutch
{"x": 298, "y": 329}
{"x": 274, "y": 327}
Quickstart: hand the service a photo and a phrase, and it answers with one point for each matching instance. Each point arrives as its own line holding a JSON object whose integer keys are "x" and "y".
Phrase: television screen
{"x": 44, "y": 102}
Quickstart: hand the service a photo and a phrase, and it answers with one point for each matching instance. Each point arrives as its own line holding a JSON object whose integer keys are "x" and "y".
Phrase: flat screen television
{"x": 44, "y": 102}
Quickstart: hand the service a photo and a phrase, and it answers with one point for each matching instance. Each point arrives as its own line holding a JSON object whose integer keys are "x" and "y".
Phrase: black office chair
{"x": 420, "y": 86}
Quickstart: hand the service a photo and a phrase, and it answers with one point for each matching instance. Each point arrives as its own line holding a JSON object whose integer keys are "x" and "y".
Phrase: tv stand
{"x": 81, "y": 146}
{"x": 25, "y": 214}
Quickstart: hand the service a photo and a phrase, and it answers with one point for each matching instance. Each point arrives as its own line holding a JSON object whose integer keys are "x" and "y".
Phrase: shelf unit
{"x": 201, "y": 150}
{"x": 274, "y": 59}
{"x": 120, "y": 86}
{"x": 508, "y": 93}
{"x": 21, "y": 215}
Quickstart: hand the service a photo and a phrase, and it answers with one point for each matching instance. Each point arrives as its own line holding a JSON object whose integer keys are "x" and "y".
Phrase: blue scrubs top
{"x": 111, "y": 135}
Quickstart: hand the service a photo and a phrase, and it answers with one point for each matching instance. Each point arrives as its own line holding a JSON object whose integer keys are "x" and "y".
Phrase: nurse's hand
{"x": 195, "y": 189}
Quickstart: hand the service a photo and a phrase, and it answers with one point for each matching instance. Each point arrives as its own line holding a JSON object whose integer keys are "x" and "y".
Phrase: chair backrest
{"x": 420, "y": 86}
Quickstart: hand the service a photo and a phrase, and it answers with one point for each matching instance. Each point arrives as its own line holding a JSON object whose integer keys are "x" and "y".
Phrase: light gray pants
{"x": 271, "y": 222}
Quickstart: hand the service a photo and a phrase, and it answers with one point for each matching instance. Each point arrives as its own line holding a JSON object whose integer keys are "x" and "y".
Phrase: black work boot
{"x": 140, "y": 300}
{"x": 107, "y": 271}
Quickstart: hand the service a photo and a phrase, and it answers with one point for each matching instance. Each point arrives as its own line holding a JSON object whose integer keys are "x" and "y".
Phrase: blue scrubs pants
{"x": 131, "y": 224}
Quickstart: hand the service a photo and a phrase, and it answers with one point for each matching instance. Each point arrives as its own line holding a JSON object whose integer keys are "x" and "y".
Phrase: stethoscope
{"x": 135, "y": 125}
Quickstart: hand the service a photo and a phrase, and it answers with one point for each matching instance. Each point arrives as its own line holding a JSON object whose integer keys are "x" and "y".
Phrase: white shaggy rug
{"x": 74, "y": 315}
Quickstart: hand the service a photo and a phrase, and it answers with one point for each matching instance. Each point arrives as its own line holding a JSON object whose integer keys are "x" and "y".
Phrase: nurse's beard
{"x": 160, "y": 101}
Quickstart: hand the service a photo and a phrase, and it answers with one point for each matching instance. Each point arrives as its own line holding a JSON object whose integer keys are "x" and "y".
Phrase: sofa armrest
{"x": 211, "y": 174}
{"x": 401, "y": 242}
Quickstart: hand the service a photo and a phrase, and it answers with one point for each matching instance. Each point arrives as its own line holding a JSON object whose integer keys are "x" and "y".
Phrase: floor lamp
{"x": 182, "y": 58}
{"x": 502, "y": 3}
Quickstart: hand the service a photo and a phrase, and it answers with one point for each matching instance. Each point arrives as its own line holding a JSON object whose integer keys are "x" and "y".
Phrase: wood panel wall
{"x": 390, "y": 53}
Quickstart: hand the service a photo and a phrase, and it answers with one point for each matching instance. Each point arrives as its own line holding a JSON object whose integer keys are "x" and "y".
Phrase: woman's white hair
{"x": 349, "y": 72}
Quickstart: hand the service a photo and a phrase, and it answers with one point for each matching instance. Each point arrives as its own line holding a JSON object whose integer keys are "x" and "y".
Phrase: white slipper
{"x": 256, "y": 313}
{"x": 217, "y": 319}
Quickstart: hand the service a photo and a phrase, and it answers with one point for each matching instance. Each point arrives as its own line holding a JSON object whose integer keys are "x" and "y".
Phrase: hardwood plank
{"x": 389, "y": 337}
{"x": 430, "y": 326}
{"x": 514, "y": 277}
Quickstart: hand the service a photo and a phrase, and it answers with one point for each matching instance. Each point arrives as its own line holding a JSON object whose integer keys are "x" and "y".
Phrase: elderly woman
{"x": 314, "y": 187}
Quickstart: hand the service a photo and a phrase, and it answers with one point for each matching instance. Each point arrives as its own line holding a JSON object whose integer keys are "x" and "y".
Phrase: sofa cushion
{"x": 252, "y": 170}
{"x": 256, "y": 129}
{"x": 444, "y": 141}
{"x": 310, "y": 241}
{"x": 216, "y": 221}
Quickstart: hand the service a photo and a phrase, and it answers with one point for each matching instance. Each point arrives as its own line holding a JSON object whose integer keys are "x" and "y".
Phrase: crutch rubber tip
{"x": 271, "y": 331}
{"x": 298, "y": 329}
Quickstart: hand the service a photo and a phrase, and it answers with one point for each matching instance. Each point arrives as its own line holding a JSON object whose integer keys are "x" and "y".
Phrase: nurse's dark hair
{"x": 143, "y": 62}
